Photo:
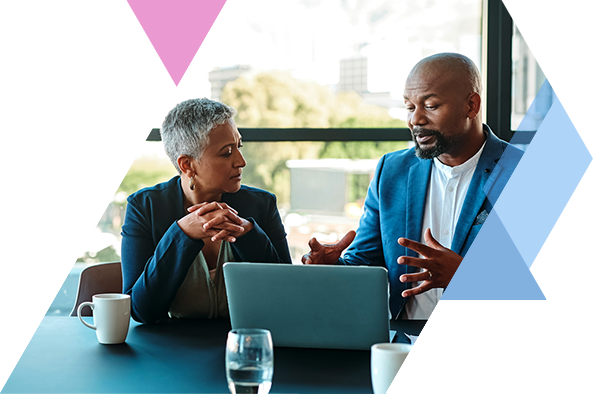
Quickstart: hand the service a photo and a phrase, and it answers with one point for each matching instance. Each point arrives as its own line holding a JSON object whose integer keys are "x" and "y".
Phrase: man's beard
{"x": 442, "y": 144}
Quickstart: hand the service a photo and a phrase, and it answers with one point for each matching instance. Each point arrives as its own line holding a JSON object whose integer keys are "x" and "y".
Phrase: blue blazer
{"x": 395, "y": 204}
{"x": 156, "y": 253}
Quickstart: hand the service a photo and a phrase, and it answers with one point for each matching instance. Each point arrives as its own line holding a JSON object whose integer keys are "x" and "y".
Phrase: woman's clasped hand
{"x": 214, "y": 220}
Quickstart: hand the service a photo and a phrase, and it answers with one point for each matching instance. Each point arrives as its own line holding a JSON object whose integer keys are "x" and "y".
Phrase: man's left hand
{"x": 440, "y": 265}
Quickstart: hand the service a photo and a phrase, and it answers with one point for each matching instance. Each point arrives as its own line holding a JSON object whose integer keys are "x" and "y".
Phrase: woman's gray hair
{"x": 186, "y": 127}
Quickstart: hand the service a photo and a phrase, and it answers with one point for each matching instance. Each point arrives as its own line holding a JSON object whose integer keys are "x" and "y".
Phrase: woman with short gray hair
{"x": 177, "y": 234}
{"x": 185, "y": 129}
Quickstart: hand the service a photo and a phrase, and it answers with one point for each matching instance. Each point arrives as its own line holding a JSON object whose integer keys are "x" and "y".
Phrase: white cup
{"x": 386, "y": 360}
{"x": 111, "y": 315}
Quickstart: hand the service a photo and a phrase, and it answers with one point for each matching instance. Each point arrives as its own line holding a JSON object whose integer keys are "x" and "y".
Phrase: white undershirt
{"x": 445, "y": 196}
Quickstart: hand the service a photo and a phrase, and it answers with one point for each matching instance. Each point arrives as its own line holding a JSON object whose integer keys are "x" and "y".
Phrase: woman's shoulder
{"x": 160, "y": 190}
{"x": 250, "y": 192}
{"x": 247, "y": 190}
{"x": 249, "y": 195}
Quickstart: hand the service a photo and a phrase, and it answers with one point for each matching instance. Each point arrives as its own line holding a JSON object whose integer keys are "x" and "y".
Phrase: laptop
{"x": 310, "y": 306}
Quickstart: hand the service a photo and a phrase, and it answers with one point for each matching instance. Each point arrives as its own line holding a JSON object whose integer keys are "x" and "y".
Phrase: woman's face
{"x": 219, "y": 169}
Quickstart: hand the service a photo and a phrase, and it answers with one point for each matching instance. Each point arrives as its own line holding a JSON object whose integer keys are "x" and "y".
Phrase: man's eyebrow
{"x": 425, "y": 97}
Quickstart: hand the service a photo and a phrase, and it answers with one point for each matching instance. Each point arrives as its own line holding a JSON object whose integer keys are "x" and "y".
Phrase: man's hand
{"x": 327, "y": 254}
{"x": 440, "y": 265}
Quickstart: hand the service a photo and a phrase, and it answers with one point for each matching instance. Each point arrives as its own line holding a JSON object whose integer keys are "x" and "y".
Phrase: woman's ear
{"x": 184, "y": 163}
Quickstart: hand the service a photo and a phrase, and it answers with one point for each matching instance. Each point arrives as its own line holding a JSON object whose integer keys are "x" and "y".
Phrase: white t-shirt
{"x": 445, "y": 196}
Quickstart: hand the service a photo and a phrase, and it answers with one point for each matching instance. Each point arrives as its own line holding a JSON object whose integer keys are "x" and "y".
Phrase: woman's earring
{"x": 192, "y": 184}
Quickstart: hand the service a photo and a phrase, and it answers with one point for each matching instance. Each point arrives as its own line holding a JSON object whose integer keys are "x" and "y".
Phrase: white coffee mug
{"x": 386, "y": 360}
{"x": 111, "y": 315}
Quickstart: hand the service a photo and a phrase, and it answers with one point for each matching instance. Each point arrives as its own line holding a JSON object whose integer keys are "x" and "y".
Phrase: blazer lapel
{"x": 418, "y": 181}
{"x": 486, "y": 170}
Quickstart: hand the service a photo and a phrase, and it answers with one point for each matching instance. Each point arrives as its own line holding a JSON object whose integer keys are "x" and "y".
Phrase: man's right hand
{"x": 327, "y": 254}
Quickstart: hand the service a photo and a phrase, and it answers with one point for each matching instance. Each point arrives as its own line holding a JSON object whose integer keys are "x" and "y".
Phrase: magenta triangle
{"x": 162, "y": 38}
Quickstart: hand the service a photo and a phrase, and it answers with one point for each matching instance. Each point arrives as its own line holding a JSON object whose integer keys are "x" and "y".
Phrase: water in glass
{"x": 250, "y": 379}
{"x": 249, "y": 361}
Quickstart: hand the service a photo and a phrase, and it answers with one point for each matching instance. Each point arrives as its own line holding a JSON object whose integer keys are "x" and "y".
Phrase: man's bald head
{"x": 443, "y": 97}
{"x": 460, "y": 69}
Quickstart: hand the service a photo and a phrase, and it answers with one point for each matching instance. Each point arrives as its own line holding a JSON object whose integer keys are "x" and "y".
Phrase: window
{"x": 550, "y": 49}
{"x": 529, "y": 41}
{"x": 320, "y": 97}
{"x": 334, "y": 64}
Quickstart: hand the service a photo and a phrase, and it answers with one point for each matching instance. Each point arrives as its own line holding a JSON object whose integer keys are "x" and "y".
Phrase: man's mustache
{"x": 419, "y": 131}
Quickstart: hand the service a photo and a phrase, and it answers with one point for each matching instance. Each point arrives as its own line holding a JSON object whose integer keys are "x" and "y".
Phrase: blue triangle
{"x": 531, "y": 260}
{"x": 543, "y": 182}
{"x": 493, "y": 283}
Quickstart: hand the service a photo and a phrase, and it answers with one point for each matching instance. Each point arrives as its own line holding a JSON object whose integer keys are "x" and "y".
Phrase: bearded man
{"x": 426, "y": 205}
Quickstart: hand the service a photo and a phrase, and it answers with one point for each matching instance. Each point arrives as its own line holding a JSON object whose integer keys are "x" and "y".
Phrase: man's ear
{"x": 474, "y": 105}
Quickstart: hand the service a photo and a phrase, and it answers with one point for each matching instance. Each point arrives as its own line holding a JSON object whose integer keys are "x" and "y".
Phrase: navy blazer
{"x": 395, "y": 205}
{"x": 156, "y": 253}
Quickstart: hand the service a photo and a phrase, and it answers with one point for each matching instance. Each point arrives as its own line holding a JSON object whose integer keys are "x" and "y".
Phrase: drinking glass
{"x": 249, "y": 361}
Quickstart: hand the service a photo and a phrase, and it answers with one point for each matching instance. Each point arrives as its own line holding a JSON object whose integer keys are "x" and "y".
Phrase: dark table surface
{"x": 175, "y": 356}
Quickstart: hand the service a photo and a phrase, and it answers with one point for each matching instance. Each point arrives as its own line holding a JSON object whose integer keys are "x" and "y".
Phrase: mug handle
{"x": 92, "y": 306}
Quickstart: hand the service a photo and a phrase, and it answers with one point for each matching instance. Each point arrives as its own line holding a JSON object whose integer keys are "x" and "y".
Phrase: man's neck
{"x": 466, "y": 152}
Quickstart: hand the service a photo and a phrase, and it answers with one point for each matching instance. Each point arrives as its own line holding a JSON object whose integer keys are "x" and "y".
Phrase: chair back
{"x": 97, "y": 279}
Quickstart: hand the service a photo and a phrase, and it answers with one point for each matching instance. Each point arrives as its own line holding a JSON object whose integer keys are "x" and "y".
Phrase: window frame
{"x": 314, "y": 134}
{"x": 500, "y": 16}
{"x": 497, "y": 28}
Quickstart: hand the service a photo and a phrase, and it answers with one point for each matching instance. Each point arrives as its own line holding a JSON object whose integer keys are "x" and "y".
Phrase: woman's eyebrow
{"x": 230, "y": 144}
{"x": 226, "y": 146}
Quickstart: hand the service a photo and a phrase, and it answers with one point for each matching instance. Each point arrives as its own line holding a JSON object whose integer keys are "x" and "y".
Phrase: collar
{"x": 462, "y": 168}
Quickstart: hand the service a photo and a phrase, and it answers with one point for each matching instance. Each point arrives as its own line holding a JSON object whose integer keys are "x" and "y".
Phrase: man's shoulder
{"x": 506, "y": 155}
{"x": 394, "y": 167}
{"x": 509, "y": 158}
{"x": 512, "y": 151}
{"x": 498, "y": 148}
{"x": 400, "y": 158}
